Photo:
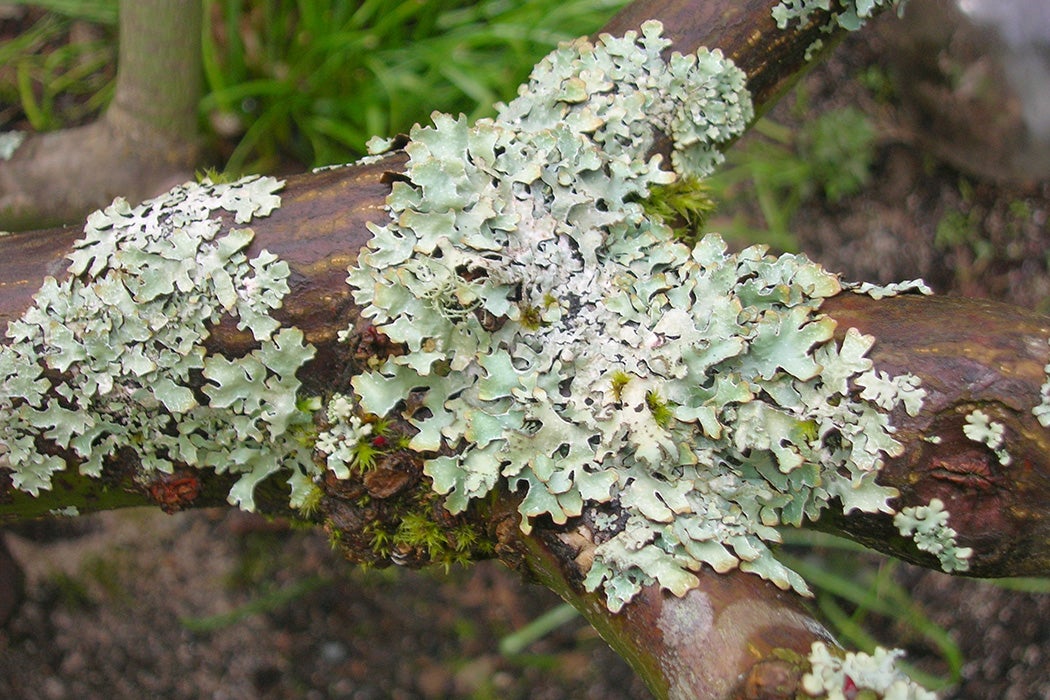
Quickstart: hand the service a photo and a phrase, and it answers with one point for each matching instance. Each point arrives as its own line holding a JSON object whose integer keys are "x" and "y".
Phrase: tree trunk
{"x": 145, "y": 142}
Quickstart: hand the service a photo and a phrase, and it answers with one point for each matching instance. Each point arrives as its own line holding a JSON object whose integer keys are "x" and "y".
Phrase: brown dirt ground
{"x": 108, "y": 597}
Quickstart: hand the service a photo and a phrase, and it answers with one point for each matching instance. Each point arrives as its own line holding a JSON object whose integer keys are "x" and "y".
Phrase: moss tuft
{"x": 684, "y": 205}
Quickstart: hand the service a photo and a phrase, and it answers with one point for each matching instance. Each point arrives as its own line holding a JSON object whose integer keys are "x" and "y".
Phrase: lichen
{"x": 840, "y": 676}
{"x": 849, "y": 15}
{"x": 113, "y": 358}
{"x": 9, "y": 143}
{"x": 561, "y": 341}
{"x": 928, "y": 527}
{"x": 67, "y": 512}
{"x": 1042, "y": 410}
{"x": 346, "y": 443}
{"x": 881, "y": 291}
{"x": 569, "y": 347}
{"x": 981, "y": 428}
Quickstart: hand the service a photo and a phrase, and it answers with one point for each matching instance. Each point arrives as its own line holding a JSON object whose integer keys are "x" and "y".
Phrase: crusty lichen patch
{"x": 850, "y": 15}
{"x": 112, "y": 357}
{"x": 560, "y": 340}
{"x": 1042, "y": 410}
{"x": 687, "y": 399}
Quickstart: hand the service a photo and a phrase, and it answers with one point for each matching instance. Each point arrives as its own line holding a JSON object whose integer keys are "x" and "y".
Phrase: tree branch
{"x": 972, "y": 355}
{"x": 372, "y": 488}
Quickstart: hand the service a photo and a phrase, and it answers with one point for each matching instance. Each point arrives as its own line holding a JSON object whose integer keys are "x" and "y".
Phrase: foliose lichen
{"x": 881, "y": 291}
{"x": 851, "y": 15}
{"x": 568, "y": 347}
{"x": 928, "y": 527}
{"x": 840, "y": 677}
{"x": 345, "y": 438}
{"x": 561, "y": 341}
{"x": 113, "y": 358}
{"x": 981, "y": 428}
{"x": 1042, "y": 410}
{"x": 67, "y": 512}
{"x": 9, "y": 143}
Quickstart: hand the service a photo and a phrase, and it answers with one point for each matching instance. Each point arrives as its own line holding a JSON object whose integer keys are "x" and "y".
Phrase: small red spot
{"x": 850, "y": 689}
{"x": 379, "y": 441}
{"x": 173, "y": 492}
{"x": 374, "y": 335}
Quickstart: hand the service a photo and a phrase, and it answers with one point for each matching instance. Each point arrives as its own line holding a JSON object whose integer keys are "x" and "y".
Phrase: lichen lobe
{"x": 112, "y": 357}
{"x": 569, "y": 347}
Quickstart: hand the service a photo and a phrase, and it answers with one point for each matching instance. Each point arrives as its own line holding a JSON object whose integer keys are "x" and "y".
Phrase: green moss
{"x": 381, "y": 540}
{"x": 213, "y": 175}
{"x": 530, "y": 317}
{"x": 684, "y": 205}
{"x": 418, "y": 531}
{"x": 618, "y": 381}
{"x": 662, "y": 412}
{"x": 409, "y": 532}
{"x": 335, "y": 534}
{"x": 310, "y": 502}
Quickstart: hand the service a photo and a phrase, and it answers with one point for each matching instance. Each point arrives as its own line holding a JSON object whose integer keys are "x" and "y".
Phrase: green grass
{"x": 779, "y": 169}
{"x": 300, "y": 83}
{"x": 102, "y": 12}
{"x": 274, "y": 598}
{"x": 855, "y": 594}
{"x": 53, "y": 82}
{"x": 313, "y": 81}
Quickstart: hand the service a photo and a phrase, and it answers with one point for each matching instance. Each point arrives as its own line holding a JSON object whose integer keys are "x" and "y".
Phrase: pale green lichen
{"x": 928, "y": 527}
{"x": 1042, "y": 410}
{"x": 9, "y": 143}
{"x": 881, "y": 291}
{"x": 113, "y": 358}
{"x": 887, "y": 392}
{"x": 981, "y": 428}
{"x": 67, "y": 512}
{"x": 346, "y": 437}
{"x": 858, "y": 675}
{"x": 848, "y": 14}
{"x": 567, "y": 345}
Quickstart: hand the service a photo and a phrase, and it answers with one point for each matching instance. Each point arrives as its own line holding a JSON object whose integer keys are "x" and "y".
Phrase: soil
{"x": 225, "y": 605}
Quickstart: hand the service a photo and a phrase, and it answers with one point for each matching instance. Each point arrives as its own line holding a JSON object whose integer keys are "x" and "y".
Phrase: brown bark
{"x": 733, "y": 636}
{"x": 970, "y": 354}
{"x": 745, "y": 32}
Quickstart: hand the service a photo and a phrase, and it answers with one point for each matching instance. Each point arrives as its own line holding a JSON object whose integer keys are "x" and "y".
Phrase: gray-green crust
{"x": 9, "y": 143}
{"x": 682, "y": 401}
{"x": 981, "y": 428}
